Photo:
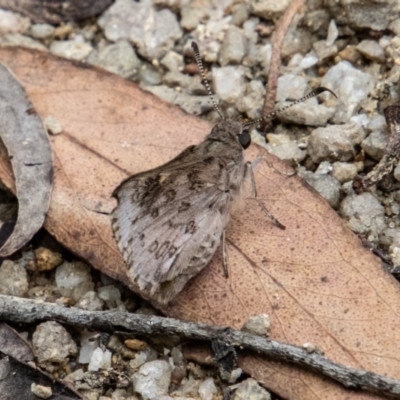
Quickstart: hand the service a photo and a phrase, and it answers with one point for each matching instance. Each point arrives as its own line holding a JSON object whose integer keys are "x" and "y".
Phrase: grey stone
{"x": 258, "y": 324}
{"x": 195, "y": 105}
{"x": 364, "y": 214}
{"x": 240, "y": 15}
{"x": 350, "y": 85}
{"x": 43, "y": 392}
{"x": 268, "y": 9}
{"x": 207, "y": 389}
{"x": 191, "y": 84}
{"x": 153, "y": 32}
{"x": 377, "y": 123}
{"x": 148, "y": 75}
{"x": 42, "y": 31}
{"x": 251, "y": 390}
{"x": 13, "y": 279}
{"x": 252, "y": 102}
{"x": 90, "y": 301}
{"x": 173, "y": 61}
{"x": 72, "y": 49}
{"x": 73, "y": 279}
{"x": 374, "y": 145}
{"x": 291, "y": 87}
{"x": 333, "y": 33}
{"x": 233, "y": 47}
{"x": 371, "y": 50}
{"x": 317, "y": 19}
{"x": 152, "y": 379}
{"x": 395, "y": 26}
{"x": 324, "y": 51}
{"x": 296, "y": 41}
{"x": 289, "y": 152}
{"x": 16, "y": 39}
{"x": 192, "y": 14}
{"x": 119, "y": 58}
{"x": 397, "y": 172}
{"x": 11, "y": 22}
{"x": 228, "y": 83}
{"x": 310, "y": 112}
{"x": 327, "y": 186}
{"x": 335, "y": 142}
{"x": 110, "y": 295}
{"x": 367, "y": 14}
{"x": 343, "y": 171}
{"x": 89, "y": 342}
{"x": 52, "y": 344}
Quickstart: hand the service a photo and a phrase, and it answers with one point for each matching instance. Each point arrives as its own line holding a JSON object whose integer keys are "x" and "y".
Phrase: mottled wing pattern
{"x": 169, "y": 221}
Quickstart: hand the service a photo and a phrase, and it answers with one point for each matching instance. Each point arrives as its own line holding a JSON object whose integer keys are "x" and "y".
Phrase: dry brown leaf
{"x": 28, "y": 147}
{"x": 56, "y": 11}
{"x": 315, "y": 280}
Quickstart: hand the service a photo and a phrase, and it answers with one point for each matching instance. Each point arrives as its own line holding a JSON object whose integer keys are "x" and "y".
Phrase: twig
{"x": 280, "y": 33}
{"x": 15, "y": 309}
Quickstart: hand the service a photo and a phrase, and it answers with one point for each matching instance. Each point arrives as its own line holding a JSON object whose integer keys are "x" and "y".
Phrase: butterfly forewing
{"x": 169, "y": 220}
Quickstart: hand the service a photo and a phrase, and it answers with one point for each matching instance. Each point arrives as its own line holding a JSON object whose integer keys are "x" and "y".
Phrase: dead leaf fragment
{"x": 28, "y": 147}
{"x": 315, "y": 280}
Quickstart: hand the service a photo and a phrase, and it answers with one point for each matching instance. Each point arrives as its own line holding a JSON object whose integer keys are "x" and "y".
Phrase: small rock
{"x": 333, "y": 33}
{"x": 251, "y": 103}
{"x": 251, "y": 390}
{"x": 89, "y": 343}
{"x": 229, "y": 84}
{"x": 310, "y": 347}
{"x": 375, "y": 144}
{"x": 233, "y": 47}
{"x": 296, "y": 41}
{"x": 289, "y": 152}
{"x": 364, "y": 213}
{"x": 46, "y": 260}
{"x": 100, "y": 360}
{"x": 11, "y": 22}
{"x": 327, "y": 186}
{"x": 192, "y": 14}
{"x": 371, "y": 50}
{"x": 377, "y": 123}
{"x": 73, "y": 280}
{"x": 52, "y": 345}
{"x": 173, "y": 61}
{"x": 397, "y": 172}
{"x": 323, "y": 51}
{"x": 152, "y": 379}
{"x": 135, "y": 344}
{"x": 42, "y": 31}
{"x": 207, "y": 389}
{"x": 72, "y": 49}
{"x": 395, "y": 26}
{"x": 350, "y": 85}
{"x": 309, "y": 112}
{"x": 240, "y": 15}
{"x": 110, "y": 295}
{"x": 191, "y": 84}
{"x": 149, "y": 76}
{"x": 258, "y": 324}
{"x": 268, "y": 9}
{"x": 343, "y": 171}
{"x": 140, "y": 358}
{"x": 291, "y": 87}
{"x": 13, "y": 279}
{"x": 52, "y": 125}
{"x": 90, "y": 301}
{"x": 119, "y": 58}
{"x": 152, "y": 32}
{"x": 43, "y": 392}
{"x": 16, "y": 39}
{"x": 349, "y": 53}
{"x": 335, "y": 142}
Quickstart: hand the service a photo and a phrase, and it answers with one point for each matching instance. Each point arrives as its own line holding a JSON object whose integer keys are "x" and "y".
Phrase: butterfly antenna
{"x": 203, "y": 76}
{"x": 272, "y": 115}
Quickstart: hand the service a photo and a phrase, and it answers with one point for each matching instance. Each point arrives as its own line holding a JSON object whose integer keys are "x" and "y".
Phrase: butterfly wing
{"x": 169, "y": 221}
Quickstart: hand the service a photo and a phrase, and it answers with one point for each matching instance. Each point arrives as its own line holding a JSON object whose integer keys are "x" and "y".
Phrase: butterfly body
{"x": 169, "y": 220}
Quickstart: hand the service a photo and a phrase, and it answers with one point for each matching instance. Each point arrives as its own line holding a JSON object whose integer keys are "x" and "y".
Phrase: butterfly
{"x": 170, "y": 220}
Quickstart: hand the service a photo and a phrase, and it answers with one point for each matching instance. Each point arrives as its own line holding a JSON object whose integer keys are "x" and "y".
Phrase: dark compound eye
{"x": 245, "y": 139}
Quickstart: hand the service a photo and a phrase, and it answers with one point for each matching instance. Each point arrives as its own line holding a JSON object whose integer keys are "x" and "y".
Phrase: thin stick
{"x": 279, "y": 37}
{"x": 19, "y": 310}
{"x": 203, "y": 77}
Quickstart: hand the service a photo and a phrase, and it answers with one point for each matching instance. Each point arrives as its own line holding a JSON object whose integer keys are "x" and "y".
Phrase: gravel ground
{"x": 329, "y": 141}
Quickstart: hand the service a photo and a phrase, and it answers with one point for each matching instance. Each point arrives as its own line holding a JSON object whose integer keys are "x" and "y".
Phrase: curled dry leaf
{"x": 314, "y": 279}
{"x": 28, "y": 147}
{"x": 56, "y": 11}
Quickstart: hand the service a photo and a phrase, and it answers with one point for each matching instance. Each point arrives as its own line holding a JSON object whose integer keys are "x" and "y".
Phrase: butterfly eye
{"x": 245, "y": 139}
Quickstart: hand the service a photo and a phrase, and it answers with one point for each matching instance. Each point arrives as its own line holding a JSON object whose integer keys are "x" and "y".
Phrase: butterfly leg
{"x": 249, "y": 173}
{"x": 224, "y": 254}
